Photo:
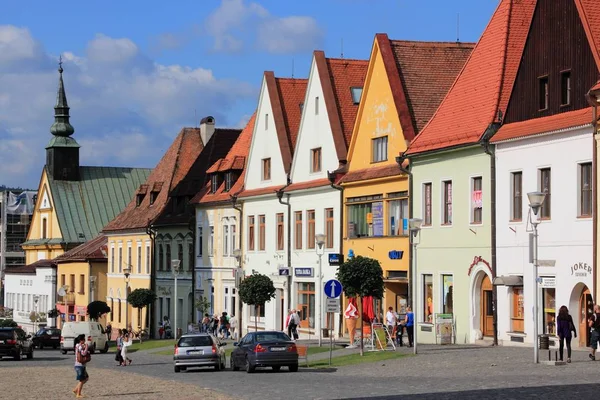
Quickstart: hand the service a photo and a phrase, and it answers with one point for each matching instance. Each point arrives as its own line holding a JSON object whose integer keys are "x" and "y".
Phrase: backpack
{"x": 81, "y": 358}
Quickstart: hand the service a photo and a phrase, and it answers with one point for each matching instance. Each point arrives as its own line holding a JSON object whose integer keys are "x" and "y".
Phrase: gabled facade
{"x": 267, "y": 173}
{"x": 397, "y": 100}
{"x": 452, "y": 165}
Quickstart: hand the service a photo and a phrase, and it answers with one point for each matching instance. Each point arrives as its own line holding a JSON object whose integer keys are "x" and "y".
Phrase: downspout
{"x": 240, "y": 309}
{"x": 150, "y": 310}
{"x": 331, "y": 176}
{"x": 485, "y": 142}
{"x": 289, "y": 238}
{"x": 593, "y": 99}
{"x": 400, "y": 160}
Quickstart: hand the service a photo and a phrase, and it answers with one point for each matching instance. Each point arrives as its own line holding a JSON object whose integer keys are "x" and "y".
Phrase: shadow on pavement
{"x": 126, "y": 394}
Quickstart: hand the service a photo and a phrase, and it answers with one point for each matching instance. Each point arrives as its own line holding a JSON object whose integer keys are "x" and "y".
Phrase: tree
{"x": 361, "y": 277}
{"x": 141, "y": 298}
{"x": 96, "y": 309}
{"x": 54, "y": 313}
{"x": 255, "y": 290}
{"x": 202, "y": 304}
{"x": 8, "y": 323}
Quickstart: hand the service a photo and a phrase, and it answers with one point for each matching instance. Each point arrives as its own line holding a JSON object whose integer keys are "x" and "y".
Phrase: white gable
{"x": 265, "y": 144}
{"x": 45, "y": 203}
{"x": 315, "y": 132}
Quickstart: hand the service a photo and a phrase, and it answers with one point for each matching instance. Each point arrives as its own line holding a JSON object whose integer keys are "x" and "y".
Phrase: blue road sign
{"x": 333, "y": 288}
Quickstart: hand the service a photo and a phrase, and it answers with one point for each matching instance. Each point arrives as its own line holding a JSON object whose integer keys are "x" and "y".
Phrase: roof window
{"x": 356, "y": 92}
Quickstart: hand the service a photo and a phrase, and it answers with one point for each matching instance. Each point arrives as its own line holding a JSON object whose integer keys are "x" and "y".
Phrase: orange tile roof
{"x": 261, "y": 191}
{"x": 427, "y": 71}
{"x": 95, "y": 249}
{"x": 538, "y": 126}
{"x": 484, "y": 85}
{"x": 291, "y": 93}
{"x": 308, "y": 185}
{"x": 589, "y": 12}
{"x": 371, "y": 173}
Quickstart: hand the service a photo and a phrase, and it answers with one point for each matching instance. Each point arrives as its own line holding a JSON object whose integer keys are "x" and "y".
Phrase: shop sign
{"x": 396, "y": 254}
{"x": 304, "y": 272}
{"x": 284, "y": 271}
{"x": 547, "y": 282}
{"x": 335, "y": 258}
{"x": 581, "y": 269}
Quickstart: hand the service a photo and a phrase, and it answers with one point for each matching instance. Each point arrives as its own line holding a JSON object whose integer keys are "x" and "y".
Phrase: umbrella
{"x": 367, "y": 309}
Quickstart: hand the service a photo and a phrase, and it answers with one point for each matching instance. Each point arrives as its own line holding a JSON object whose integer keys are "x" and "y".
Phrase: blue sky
{"x": 136, "y": 72}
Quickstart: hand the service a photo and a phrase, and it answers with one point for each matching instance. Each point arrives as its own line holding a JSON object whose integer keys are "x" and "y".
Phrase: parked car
{"x": 93, "y": 331}
{"x": 49, "y": 337}
{"x": 199, "y": 350}
{"x": 265, "y": 349}
{"x": 15, "y": 342}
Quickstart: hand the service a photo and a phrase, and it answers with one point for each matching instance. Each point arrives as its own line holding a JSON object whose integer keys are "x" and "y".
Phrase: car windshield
{"x": 195, "y": 341}
{"x": 6, "y": 334}
{"x": 272, "y": 337}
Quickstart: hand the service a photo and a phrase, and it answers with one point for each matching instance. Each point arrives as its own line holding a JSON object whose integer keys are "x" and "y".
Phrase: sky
{"x": 136, "y": 72}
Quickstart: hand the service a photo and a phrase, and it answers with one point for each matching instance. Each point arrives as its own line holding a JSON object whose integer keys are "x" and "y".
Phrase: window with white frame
{"x": 516, "y": 196}
{"x": 585, "y": 190}
{"x": 476, "y": 200}
{"x": 225, "y": 240}
{"x": 112, "y": 258}
{"x": 211, "y": 241}
{"x": 379, "y": 149}
{"x": 232, "y": 229}
{"x": 120, "y": 259}
{"x": 147, "y": 258}
{"x": 139, "y": 258}
{"x": 200, "y": 241}
{"x": 397, "y": 213}
{"x": 545, "y": 180}
{"x": 447, "y": 203}
{"x": 427, "y": 204}
{"x": 447, "y": 294}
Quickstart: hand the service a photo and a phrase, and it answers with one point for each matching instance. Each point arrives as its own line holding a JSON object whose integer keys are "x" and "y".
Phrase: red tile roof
{"x": 92, "y": 250}
{"x": 261, "y": 191}
{"x": 291, "y": 93}
{"x": 371, "y": 173}
{"x": 484, "y": 85}
{"x": 30, "y": 268}
{"x": 589, "y": 12}
{"x": 308, "y": 185}
{"x": 235, "y": 160}
{"x": 538, "y": 126}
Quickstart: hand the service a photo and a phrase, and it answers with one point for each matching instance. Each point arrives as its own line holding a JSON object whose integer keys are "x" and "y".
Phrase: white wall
{"x": 565, "y": 238}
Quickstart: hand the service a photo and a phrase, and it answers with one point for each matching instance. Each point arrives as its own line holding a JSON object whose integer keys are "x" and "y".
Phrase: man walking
{"x": 391, "y": 322}
{"x": 594, "y": 324}
{"x": 409, "y": 322}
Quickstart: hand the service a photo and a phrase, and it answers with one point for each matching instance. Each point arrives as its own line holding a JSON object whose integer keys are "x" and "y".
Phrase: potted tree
{"x": 139, "y": 299}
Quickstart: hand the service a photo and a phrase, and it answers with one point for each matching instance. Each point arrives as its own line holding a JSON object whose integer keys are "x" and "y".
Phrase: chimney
{"x": 207, "y": 128}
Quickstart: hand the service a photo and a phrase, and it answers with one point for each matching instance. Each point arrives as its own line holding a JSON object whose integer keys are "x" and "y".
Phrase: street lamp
{"x": 536, "y": 199}
{"x": 237, "y": 253}
{"x": 175, "y": 267}
{"x": 36, "y": 298}
{"x": 320, "y": 240}
{"x": 414, "y": 225}
{"x": 127, "y": 272}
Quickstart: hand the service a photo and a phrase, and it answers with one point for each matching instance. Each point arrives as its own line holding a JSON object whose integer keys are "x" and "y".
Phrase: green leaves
{"x": 96, "y": 309}
{"x": 361, "y": 276}
{"x": 202, "y": 304}
{"x": 256, "y": 289}
{"x": 141, "y": 298}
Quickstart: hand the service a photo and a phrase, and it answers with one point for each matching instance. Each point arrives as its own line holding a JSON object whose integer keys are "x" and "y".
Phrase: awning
{"x": 508, "y": 280}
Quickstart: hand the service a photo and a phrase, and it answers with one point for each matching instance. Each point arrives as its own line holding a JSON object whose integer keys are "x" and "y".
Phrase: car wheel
{"x": 218, "y": 365}
{"x": 294, "y": 368}
{"x": 18, "y": 356}
{"x": 249, "y": 367}
{"x": 276, "y": 368}
{"x": 41, "y": 346}
{"x": 63, "y": 351}
{"x": 105, "y": 349}
{"x": 177, "y": 369}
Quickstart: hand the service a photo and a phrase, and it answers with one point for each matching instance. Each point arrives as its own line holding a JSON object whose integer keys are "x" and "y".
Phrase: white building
{"x": 553, "y": 155}
{"x": 31, "y": 288}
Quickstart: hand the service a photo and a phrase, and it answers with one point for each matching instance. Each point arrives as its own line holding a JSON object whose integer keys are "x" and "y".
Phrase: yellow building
{"x": 400, "y": 94}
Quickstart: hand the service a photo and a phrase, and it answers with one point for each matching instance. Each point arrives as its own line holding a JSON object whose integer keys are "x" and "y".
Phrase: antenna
{"x": 342, "y": 48}
{"x": 292, "y": 67}
{"x": 457, "y": 27}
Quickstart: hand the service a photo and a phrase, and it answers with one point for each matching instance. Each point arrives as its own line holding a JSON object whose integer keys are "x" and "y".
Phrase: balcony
{"x": 69, "y": 299}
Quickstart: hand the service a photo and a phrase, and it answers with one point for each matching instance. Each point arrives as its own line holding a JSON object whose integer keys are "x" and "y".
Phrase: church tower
{"x": 62, "y": 153}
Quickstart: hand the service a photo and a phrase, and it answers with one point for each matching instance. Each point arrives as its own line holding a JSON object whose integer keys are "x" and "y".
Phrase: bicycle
{"x": 141, "y": 334}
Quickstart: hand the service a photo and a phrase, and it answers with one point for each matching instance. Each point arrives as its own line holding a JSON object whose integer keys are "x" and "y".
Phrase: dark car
{"x": 199, "y": 350}
{"x": 265, "y": 349}
{"x": 14, "y": 342}
{"x": 48, "y": 337}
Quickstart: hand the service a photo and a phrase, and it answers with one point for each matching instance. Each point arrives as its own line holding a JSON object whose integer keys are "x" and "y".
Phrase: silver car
{"x": 199, "y": 350}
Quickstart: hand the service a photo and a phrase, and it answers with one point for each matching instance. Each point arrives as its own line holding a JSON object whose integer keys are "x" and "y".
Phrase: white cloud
{"x": 125, "y": 107}
{"x": 236, "y": 23}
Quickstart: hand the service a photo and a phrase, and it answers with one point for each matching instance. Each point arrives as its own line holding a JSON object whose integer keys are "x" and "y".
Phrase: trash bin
{"x": 544, "y": 342}
{"x": 179, "y": 332}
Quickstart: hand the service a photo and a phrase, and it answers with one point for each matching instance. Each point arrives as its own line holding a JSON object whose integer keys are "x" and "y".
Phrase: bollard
{"x": 549, "y": 356}
{"x": 555, "y": 355}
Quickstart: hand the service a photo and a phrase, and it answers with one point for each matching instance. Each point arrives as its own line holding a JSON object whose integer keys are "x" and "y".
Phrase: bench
{"x": 302, "y": 353}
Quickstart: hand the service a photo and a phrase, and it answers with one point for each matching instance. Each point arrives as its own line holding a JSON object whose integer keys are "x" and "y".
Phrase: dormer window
{"x": 155, "y": 191}
{"x": 214, "y": 183}
{"x": 153, "y": 196}
{"x": 141, "y": 193}
{"x": 356, "y": 93}
{"x": 229, "y": 180}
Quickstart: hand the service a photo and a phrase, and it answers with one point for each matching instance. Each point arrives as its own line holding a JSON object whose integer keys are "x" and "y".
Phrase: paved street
{"x": 437, "y": 372}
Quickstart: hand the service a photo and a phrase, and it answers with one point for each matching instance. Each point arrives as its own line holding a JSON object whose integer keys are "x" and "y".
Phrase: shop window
{"x": 306, "y": 304}
{"x": 518, "y": 310}
{"x": 298, "y": 230}
{"x": 448, "y": 294}
{"x": 329, "y": 228}
{"x": 261, "y": 232}
{"x": 447, "y": 202}
{"x": 585, "y": 190}
{"x": 397, "y": 212}
{"x": 280, "y": 235}
{"x": 476, "y": 200}
{"x": 379, "y": 149}
{"x": 516, "y": 196}
{"x": 427, "y": 204}
{"x": 251, "y": 233}
{"x": 545, "y": 183}
{"x": 549, "y": 302}
{"x": 428, "y": 298}
{"x": 310, "y": 229}
{"x": 366, "y": 218}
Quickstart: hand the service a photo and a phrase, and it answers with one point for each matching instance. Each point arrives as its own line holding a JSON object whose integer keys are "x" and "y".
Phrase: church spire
{"x": 61, "y": 125}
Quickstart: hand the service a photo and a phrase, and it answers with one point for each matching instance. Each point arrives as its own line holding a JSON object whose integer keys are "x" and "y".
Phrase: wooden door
{"x": 486, "y": 308}
{"x": 586, "y": 309}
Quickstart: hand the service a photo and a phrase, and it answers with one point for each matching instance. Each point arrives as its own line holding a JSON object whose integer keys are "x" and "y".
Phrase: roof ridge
{"x": 432, "y": 42}
{"x": 336, "y": 59}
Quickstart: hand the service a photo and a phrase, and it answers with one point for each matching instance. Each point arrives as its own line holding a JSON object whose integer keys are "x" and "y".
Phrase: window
{"x": 120, "y": 259}
{"x": 306, "y": 304}
{"x": 225, "y": 240}
{"x": 161, "y": 257}
{"x": 476, "y": 200}
{"x": 356, "y": 92}
{"x": 251, "y": 233}
{"x": 81, "y": 284}
{"x": 518, "y": 310}
{"x": 379, "y": 147}
{"x": 261, "y": 232}
{"x": 585, "y": 190}
{"x": 112, "y": 259}
{"x": 516, "y": 196}
{"x": 427, "y": 204}
{"x": 153, "y": 196}
{"x": 129, "y": 265}
{"x": 315, "y": 160}
{"x": 447, "y": 185}
{"x": 211, "y": 241}
{"x": 180, "y": 255}
{"x": 266, "y": 121}
{"x": 214, "y": 183}
{"x": 366, "y": 218}
{"x": 397, "y": 212}
{"x": 565, "y": 88}
{"x": 543, "y": 93}
{"x": 63, "y": 280}
{"x": 138, "y": 199}
{"x": 112, "y": 307}
{"x": 168, "y": 260}
{"x": 261, "y": 311}
{"x": 200, "y": 241}
{"x": 447, "y": 294}
{"x": 44, "y": 228}
{"x": 310, "y": 229}
{"x": 428, "y": 298}
{"x": 148, "y": 258}
{"x": 317, "y": 105}
{"x": 280, "y": 231}
{"x": 190, "y": 256}
{"x": 72, "y": 283}
{"x": 228, "y": 181}
{"x": 329, "y": 229}
{"x": 298, "y": 230}
{"x": 139, "y": 259}
{"x": 233, "y": 238}
{"x": 545, "y": 181}
{"x": 266, "y": 169}
{"x": 549, "y": 307}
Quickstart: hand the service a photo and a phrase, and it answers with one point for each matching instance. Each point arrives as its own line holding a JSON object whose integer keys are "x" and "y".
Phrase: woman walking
{"x": 119, "y": 341}
{"x": 564, "y": 327}
{"x": 409, "y": 322}
{"x": 81, "y": 359}
{"x": 126, "y": 343}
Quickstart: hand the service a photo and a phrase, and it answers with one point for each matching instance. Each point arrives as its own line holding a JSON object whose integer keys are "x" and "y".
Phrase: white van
{"x": 93, "y": 331}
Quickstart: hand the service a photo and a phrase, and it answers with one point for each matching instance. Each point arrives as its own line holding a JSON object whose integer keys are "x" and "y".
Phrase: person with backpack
{"x": 82, "y": 357}
{"x": 594, "y": 324}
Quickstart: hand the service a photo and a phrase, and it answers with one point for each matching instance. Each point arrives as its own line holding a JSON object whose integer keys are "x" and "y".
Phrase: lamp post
{"x": 237, "y": 253}
{"x": 414, "y": 226}
{"x": 536, "y": 199}
{"x": 126, "y": 273}
{"x": 320, "y": 240}
{"x": 36, "y": 298}
{"x": 175, "y": 268}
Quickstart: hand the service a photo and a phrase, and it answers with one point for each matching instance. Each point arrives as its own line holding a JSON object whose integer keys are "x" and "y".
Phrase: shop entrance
{"x": 586, "y": 309}
{"x": 486, "y": 308}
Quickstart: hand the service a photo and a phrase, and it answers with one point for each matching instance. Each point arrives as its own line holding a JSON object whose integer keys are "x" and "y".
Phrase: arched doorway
{"x": 586, "y": 309}
{"x": 486, "y": 308}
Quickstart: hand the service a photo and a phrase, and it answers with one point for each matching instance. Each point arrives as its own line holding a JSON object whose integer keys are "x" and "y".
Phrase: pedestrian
{"x": 223, "y": 333}
{"x": 82, "y": 357}
{"x": 295, "y": 323}
{"x": 126, "y": 343}
{"x": 594, "y": 324}
{"x": 108, "y": 331}
{"x": 205, "y": 323}
{"x": 564, "y": 327}
{"x": 409, "y": 322}
{"x": 232, "y": 326}
{"x": 391, "y": 321}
